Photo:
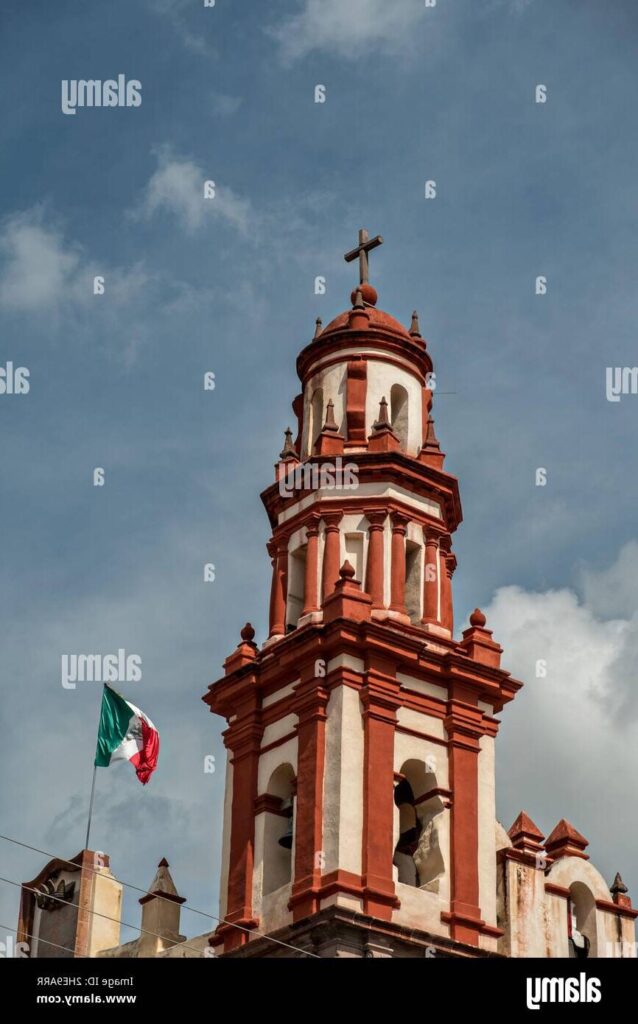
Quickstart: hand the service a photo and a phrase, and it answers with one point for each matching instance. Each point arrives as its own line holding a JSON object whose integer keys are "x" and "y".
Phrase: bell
{"x": 286, "y": 839}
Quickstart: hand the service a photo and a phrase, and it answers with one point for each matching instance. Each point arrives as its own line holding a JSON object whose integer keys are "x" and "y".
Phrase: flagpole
{"x": 88, "y": 825}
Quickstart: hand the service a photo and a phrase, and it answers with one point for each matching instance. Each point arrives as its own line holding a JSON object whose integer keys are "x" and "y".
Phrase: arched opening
{"x": 316, "y": 419}
{"x": 581, "y": 922}
{"x": 413, "y": 587}
{"x": 279, "y": 830}
{"x": 399, "y": 413}
{"x": 353, "y": 543}
{"x": 418, "y": 854}
{"x": 296, "y": 584}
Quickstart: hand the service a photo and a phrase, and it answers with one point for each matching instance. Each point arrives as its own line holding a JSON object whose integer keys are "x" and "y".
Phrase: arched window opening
{"x": 581, "y": 922}
{"x": 353, "y": 543}
{"x": 409, "y": 833}
{"x": 296, "y": 584}
{"x": 316, "y": 419}
{"x": 399, "y": 413}
{"x": 279, "y": 830}
{"x": 413, "y": 587}
{"x": 418, "y": 854}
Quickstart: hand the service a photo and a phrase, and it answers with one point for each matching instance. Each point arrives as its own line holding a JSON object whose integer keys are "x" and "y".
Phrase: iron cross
{"x": 362, "y": 250}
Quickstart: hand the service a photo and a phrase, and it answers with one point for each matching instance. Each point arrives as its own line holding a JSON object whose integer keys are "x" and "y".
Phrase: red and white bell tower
{"x": 359, "y": 813}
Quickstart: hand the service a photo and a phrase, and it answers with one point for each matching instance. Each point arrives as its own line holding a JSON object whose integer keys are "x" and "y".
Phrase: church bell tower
{"x": 359, "y": 810}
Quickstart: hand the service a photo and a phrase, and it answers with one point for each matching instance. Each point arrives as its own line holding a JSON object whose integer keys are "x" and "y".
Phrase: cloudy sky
{"x": 524, "y": 189}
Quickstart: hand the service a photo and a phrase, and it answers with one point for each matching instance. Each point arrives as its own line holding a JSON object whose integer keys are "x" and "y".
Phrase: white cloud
{"x": 567, "y": 743}
{"x": 614, "y": 591}
{"x": 350, "y": 28}
{"x": 38, "y": 270}
{"x": 41, "y": 271}
{"x": 225, "y": 106}
{"x": 178, "y": 186}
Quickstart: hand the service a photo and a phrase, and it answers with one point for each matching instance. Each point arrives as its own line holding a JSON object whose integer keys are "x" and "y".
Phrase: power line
{"x": 46, "y": 943}
{"x": 145, "y": 892}
{"x": 96, "y": 913}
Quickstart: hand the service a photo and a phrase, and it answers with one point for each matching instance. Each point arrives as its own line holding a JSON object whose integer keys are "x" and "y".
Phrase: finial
{"x": 247, "y": 633}
{"x": 414, "y": 326}
{"x": 318, "y": 327}
{"x": 431, "y": 440}
{"x": 358, "y": 300}
{"x": 383, "y": 420}
{"x": 346, "y": 571}
{"x": 330, "y": 423}
{"x": 163, "y": 863}
{"x": 288, "y": 450}
{"x": 618, "y": 885}
{"x": 477, "y": 619}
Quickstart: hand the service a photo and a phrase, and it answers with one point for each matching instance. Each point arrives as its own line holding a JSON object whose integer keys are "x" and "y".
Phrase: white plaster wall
{"x": 274, "y": 911}
{"x": 556, "y": 938}
{"x": 104, "y": 925}
{"x": 286, "y": 753}
{"x": 276, "y": 730}
{"x": 228, "y": 811}
{"x": 365, "y": 490}
{"x": 258, "y": 865}
{"x": 410, "y": 719}
{"x": 420, "y": 909}
{"x": 354, "y": 526}
{"x": 346, "y": 661}
{"x": 343, "y": 782}
{"x": 526, "y": 923}
{"x": 422, "y": 686}
{"x": 274, "y": 698}
{"x": 333, "y": 381}
{"x": 487, "y": 837}
{"x": 381, "y": 377}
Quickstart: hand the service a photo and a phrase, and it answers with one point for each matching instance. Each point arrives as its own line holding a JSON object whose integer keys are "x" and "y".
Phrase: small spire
{"x": 618, "y": 885}
{"x": 288, "y": 450}
{"x": 431, "y": 440}
{"x": 163, "y": 863}
{"x": 318, "y": 326}
{"x": 330, "y": 423}
{"x": 383, "y": 420}
{"x": 414, "y": 326}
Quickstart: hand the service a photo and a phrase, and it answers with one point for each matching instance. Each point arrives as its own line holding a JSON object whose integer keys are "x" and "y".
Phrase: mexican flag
{"x": 126, "y": 734}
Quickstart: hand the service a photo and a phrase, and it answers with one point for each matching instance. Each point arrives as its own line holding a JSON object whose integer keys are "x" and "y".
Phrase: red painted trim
{"x": 617, "y": 909}
{"x": 356, "y": 388}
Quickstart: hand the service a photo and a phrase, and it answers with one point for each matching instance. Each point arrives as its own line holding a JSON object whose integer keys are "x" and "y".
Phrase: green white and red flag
{"x": 126, "y": 734}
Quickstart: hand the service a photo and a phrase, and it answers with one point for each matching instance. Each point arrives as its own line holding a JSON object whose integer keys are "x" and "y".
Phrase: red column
{"x": 375, "y": 560}
{"x": 310, "y": 706}
{"x": 243, "y": 738}
{"x": 379, "y": 698}
{"x": 278, "y": 551}
{"x": 331, "y": 552}
{"x": 448, "y": 565}
{"x": 431, "y": 578}
{"x": 464, "y": 730}
{"x": 397, "y": 578}
{"x": 311, "y": 581}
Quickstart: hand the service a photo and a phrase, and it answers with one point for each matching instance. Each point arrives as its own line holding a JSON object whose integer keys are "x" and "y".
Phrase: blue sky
{"x": 523, "y": 189}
